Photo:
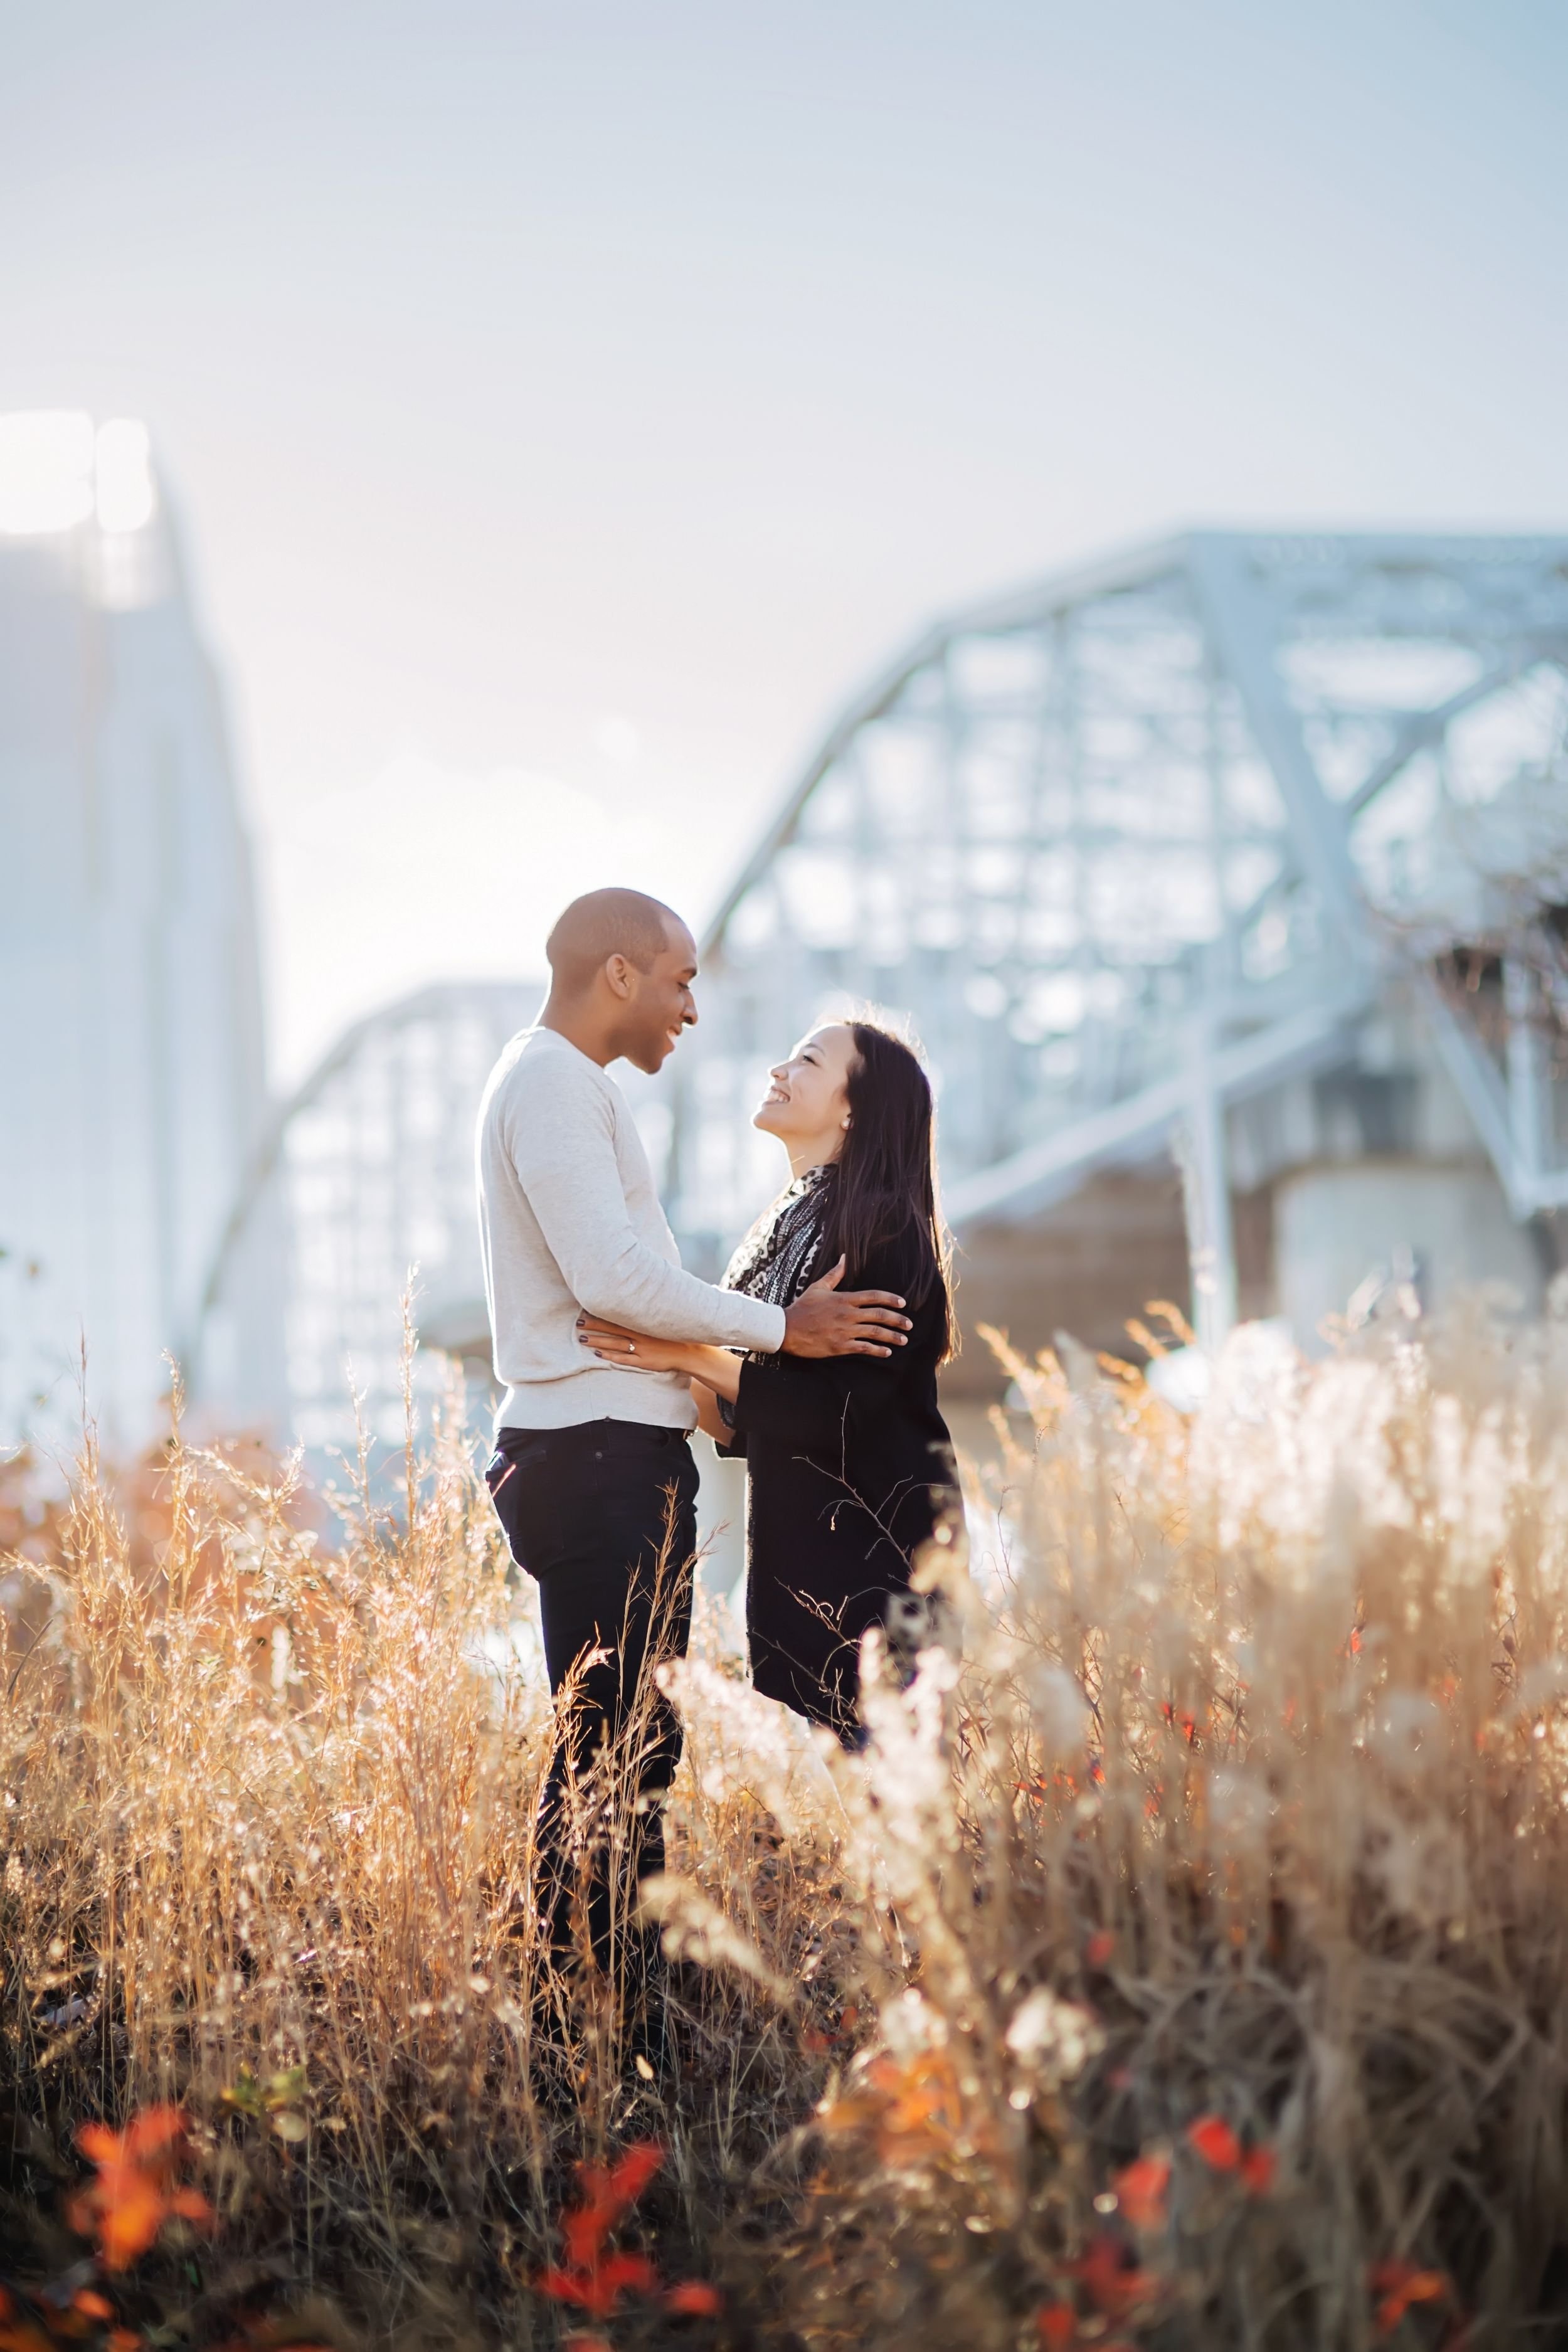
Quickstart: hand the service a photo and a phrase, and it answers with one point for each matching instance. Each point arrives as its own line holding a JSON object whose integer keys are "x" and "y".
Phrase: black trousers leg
{"x": 602, "y": 1517}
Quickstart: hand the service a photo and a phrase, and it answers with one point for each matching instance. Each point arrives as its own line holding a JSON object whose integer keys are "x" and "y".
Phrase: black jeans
{"x": 603, "y": 1516}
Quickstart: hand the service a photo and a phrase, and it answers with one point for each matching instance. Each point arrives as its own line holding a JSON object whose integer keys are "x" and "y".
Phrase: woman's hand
{"x": 635, "y": 1351}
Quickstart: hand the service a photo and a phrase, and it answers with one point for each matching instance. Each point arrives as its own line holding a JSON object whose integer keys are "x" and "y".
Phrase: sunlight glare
{"x": 45, "y": 470}
{"x": 125, "y": 494}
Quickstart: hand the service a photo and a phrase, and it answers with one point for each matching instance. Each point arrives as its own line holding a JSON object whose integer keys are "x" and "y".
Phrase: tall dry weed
{"x": 1185, "y": 1961}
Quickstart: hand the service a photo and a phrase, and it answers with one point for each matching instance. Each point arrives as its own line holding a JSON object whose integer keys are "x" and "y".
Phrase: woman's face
{"x": 808, "y": 1104}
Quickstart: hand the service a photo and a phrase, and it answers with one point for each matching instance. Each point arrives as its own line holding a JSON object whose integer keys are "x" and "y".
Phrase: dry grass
{"x": 1240, "y": 1802}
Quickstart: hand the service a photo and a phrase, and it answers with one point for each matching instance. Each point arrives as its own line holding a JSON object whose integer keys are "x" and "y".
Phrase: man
{"x": 593, "y": 1475}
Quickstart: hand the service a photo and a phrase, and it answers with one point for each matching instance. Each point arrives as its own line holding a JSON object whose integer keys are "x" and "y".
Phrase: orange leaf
{"x": 1057, "y": 2325}
{"x": 130, "y": 2211}
{"x": 1215, "y": 2143}
{"x": 1141, "y": 2191}
{"x": 1400, "y": 2285}
{"x": 152, "y": 2131}
{"x": 21, "y": 2336}
{"x": 92, "y": 2304}
{"x": 1422, "y": 2286}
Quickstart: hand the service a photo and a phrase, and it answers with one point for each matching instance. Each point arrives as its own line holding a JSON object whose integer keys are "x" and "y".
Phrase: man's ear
{"x": 618, "y": 972}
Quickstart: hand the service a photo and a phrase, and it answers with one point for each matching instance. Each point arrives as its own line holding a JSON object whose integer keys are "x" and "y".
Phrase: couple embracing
{"x": 816, "y": 1359}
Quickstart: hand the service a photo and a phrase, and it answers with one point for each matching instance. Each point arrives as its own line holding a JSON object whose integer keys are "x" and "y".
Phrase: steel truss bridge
{"x": 1143, "y": 843}
{"x": 1136, "y": 852}
{"x": 367, "y": 1175}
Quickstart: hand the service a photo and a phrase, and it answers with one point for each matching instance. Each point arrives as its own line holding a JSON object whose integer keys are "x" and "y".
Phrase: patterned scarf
{"x": 777, "y": 1259}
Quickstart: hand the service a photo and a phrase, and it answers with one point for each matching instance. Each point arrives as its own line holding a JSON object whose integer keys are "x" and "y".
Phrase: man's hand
{"x": 827, "y": 1321}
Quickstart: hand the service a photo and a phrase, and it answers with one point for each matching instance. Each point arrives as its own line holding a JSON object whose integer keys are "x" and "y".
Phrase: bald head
{"x": 606, "y": 923}
{"x": 621, "y": 969}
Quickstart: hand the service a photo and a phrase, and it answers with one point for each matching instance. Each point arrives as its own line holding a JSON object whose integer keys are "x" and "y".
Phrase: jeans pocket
{"x": 526, "y": 1502}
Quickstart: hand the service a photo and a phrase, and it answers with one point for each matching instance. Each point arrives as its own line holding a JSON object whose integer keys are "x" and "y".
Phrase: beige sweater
{"x": 569, "y": 1219}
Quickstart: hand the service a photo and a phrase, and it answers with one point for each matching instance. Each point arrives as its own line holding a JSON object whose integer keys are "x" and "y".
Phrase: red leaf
{"x": 1141, "y": 2191}
{"x": 695, "y": 2298}
{"x": 622, "y": 2270}
{"x": 1259, "y": 2166}
{"x": 1114, "y": 2282}
{"x": 1057, "y": 2325}
{"x": 583, "y": 2233}
{"x": 1099, "y": 1948}
{"x": 563, "y": 2286}
{"x": 587, "y": 2279}
{"x": 630, "y": 2175}
{"x": 1215, "y": 2143}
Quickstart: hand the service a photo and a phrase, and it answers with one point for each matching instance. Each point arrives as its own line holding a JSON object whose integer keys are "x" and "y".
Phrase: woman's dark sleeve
{"x": 731, "y": 1448}
{"x": 807, "y": 1400}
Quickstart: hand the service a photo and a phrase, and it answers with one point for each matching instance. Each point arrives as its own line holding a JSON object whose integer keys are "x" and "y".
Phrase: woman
{"x": 850, "y": 1459}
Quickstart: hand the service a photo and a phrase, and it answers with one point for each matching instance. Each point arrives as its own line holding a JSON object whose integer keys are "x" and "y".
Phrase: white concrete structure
{"x": 133, "y": 1084}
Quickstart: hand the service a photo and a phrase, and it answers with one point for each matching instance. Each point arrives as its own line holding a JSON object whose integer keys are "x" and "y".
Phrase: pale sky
{"x": 568, "y": 406}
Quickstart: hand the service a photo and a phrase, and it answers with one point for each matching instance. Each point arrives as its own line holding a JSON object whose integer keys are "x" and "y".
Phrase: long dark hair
{"x": 886, "y": 1190}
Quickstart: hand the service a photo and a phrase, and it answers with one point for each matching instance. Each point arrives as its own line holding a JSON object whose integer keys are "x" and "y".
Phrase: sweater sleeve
{"x": 565, "y": 1162}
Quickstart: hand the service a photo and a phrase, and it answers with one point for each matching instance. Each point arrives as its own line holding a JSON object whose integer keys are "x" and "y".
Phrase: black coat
{"x": 851, "y": 1467}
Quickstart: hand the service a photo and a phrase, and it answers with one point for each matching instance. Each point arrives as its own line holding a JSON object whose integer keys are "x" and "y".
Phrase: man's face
{"x": 660, "y": 1004}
